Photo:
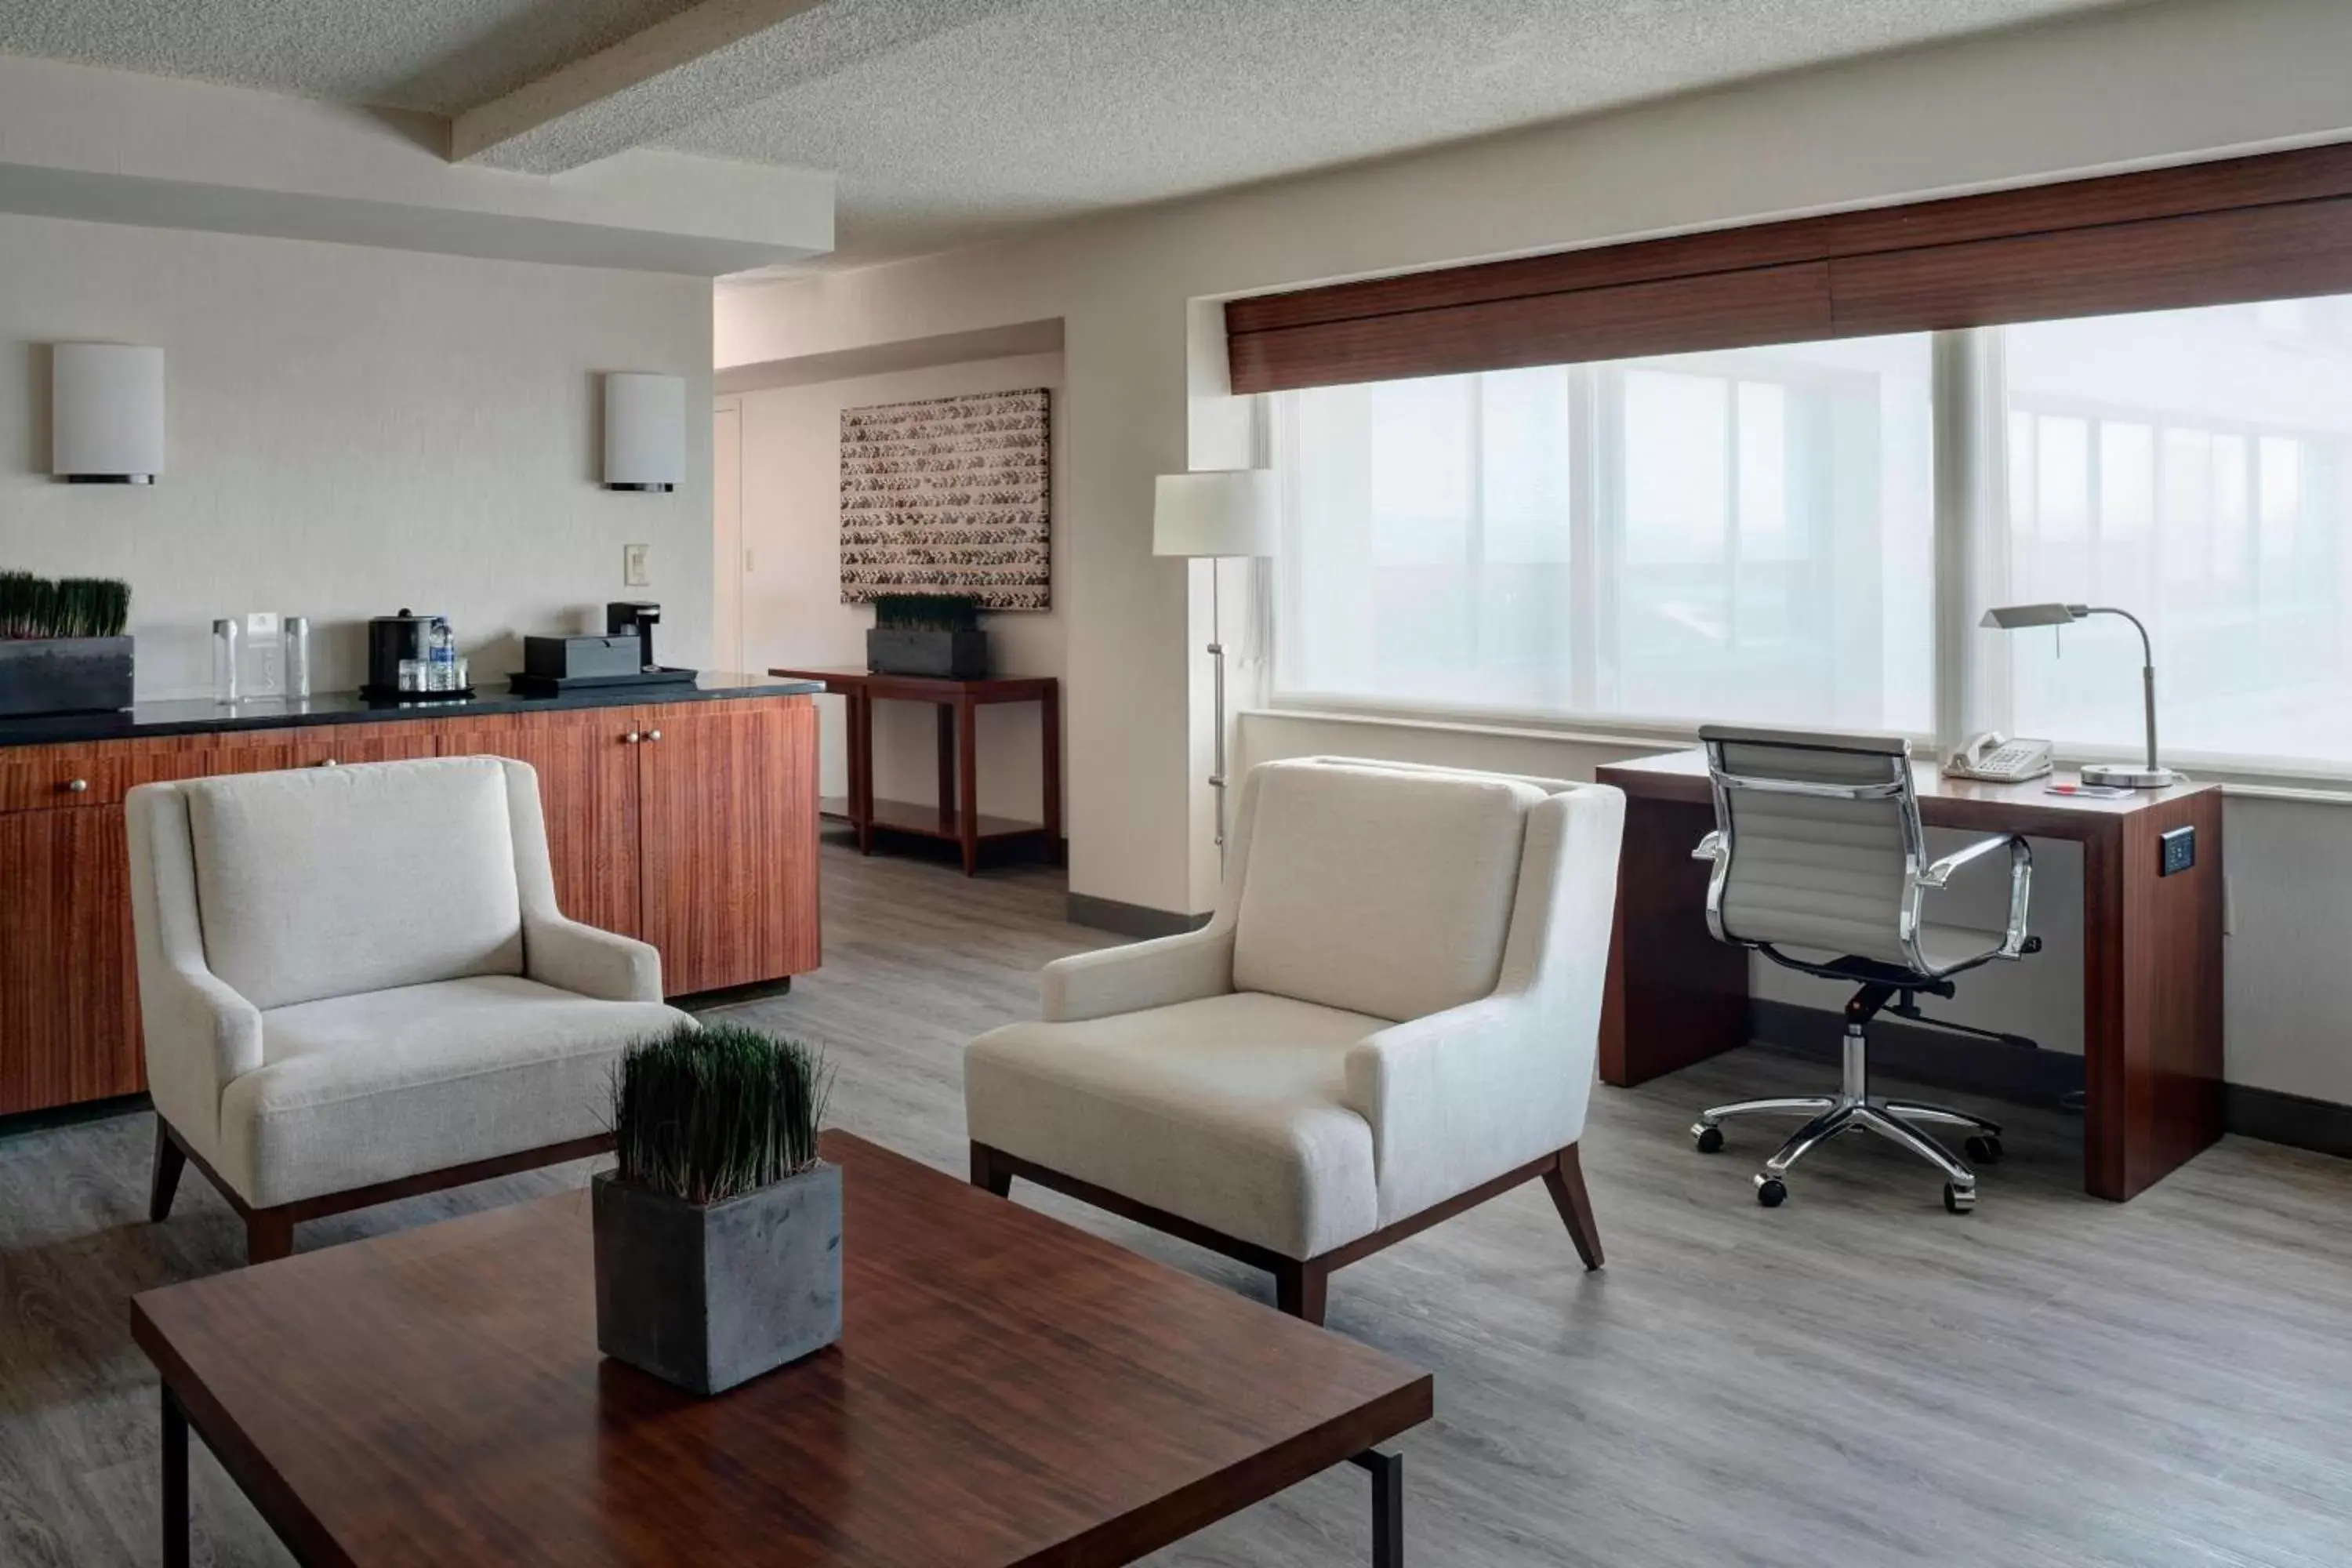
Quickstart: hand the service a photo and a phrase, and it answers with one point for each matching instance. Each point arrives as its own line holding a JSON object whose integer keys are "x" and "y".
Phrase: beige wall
{"x": 349, "y": 430}
{"x": 793, "y": 612}
{"x": 2136, "y": 85}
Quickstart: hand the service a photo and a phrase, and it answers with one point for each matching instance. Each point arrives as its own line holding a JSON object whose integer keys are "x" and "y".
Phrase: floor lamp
{"x": 1215, "y": 516}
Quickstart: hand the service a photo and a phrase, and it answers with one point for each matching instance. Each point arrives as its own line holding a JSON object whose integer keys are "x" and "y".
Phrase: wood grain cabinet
{"x": 69, "y": 1002}
{"x": 588, "y": 792}
{"x": 691, "y": 825}
{"x": 726, "y": 840}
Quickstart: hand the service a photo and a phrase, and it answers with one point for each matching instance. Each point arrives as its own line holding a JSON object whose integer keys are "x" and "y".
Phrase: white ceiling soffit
{"x": 719, "y": 56}
{"x": 1019, "y": 339}
{"x": 107, "y": 146}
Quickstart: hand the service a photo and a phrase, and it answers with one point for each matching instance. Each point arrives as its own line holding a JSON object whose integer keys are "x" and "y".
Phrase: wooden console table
{"x": 956, "y": 817}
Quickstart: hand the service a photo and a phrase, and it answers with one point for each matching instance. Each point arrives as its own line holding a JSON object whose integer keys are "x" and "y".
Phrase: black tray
{"x": 392, "y": 694}
{"x": 522, "y": 683}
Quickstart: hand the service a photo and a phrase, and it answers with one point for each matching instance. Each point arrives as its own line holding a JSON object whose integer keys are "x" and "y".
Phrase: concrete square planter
{"x": 705, "y": 1297}
{"x": 64, "y": 675}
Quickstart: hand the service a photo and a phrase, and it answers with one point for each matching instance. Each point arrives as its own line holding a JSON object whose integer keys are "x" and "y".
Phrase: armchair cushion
{"x": 358, "y": 1089}
{"x": 330, "y": 881}
{"x": 1230, "y": 1111}
{"x": 1380, "y": 891}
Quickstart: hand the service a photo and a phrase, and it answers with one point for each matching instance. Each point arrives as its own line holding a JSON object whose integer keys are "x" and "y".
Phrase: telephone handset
{"x": 1994, "y": 757}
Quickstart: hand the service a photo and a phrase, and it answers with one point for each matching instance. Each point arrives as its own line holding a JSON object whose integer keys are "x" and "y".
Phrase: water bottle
{"x": 297, "y": 656}
{"x": 444, "y": 653}
{"x": 224, "y": 659}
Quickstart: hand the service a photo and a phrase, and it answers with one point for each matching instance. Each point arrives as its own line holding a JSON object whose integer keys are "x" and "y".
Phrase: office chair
{"x": 1817, "y": 845}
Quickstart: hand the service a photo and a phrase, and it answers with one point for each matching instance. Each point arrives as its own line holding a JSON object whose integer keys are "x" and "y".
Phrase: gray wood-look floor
{"x": 1856, "y": 1378}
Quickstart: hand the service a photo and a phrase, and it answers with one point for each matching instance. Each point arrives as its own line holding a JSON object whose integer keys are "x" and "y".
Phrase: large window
{"x": 1747, "y": 532}
{"x": 2190, "y": 467}
{"x": 1752, "y": 534}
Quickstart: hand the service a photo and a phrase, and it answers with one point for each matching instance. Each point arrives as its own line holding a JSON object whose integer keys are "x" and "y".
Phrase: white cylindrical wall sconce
{"x": 645, "y": 431}
{"x": 106, "y": 406}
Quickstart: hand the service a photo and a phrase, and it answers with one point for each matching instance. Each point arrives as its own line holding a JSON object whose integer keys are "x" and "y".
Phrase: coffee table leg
{"x": 176, "y": 1483}
{"x": 1387, "y": 1506}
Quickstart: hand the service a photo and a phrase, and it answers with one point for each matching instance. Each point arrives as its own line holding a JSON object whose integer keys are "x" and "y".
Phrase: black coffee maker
{"x": 394, "y": 640}
{"x": 624, "y": 618}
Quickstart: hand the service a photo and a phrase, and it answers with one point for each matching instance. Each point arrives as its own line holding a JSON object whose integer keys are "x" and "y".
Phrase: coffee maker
{"x": 394, "y": 640}
{"x": 625, "y": 617}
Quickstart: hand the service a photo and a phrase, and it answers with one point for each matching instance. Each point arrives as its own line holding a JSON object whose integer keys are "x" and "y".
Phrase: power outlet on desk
{"x": 2177, "y": 851}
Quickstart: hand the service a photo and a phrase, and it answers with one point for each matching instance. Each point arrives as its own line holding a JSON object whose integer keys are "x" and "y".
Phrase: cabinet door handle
{"x": 76, "y": 786}
{"x": 631, "y": 739}
{"x": 652, "y": 734}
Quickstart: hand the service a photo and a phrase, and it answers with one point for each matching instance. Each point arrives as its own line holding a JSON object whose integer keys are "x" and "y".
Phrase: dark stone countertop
{"x": 201, "y": 715}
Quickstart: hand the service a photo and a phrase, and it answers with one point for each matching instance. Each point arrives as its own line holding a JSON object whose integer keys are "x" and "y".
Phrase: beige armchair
{"x": 1392, "y": 1016}
{"x": 355, "y": 986}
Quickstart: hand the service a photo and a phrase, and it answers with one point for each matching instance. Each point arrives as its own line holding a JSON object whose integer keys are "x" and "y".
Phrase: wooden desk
{"x": 1007, "y": 1390}
{"x": 2151, "y": 951}
{"x": 956, "y": 816}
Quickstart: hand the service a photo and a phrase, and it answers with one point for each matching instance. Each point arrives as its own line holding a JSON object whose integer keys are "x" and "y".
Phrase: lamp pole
{"x": 1217, "y": 669}
{"x": 1216, "y": 515}
{"x": 2154, "y": 774}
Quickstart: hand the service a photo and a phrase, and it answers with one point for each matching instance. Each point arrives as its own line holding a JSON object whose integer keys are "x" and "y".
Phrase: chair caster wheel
{"x": 1958, "y": 1200}
{"x": 1771, "y": 1192}
{"x": 1984, "y": 1147}
{"x": 1708, "y": 1139}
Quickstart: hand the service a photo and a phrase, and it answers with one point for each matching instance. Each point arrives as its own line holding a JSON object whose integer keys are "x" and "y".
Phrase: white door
{"x": 726, "y": 559}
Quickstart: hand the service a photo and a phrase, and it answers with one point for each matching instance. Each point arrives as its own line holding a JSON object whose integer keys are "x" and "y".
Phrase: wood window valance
{"x": 2272, "y": 227}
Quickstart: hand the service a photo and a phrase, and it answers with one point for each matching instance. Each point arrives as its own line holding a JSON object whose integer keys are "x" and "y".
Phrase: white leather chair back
{"x": 332, "y": 881}
{"x": 1815, "y": 871}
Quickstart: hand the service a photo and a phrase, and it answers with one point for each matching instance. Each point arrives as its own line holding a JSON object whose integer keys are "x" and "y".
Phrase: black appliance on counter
{"x": 623, "y": 656}
{"x": 393, "y": 640}
{"x": 624, "y": 617}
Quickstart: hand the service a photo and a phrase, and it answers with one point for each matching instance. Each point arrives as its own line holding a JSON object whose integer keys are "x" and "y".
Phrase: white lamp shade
{"x": 106, "y": 406}
{"x": 645, "y": 431}
{"x": 1228, "y": 512}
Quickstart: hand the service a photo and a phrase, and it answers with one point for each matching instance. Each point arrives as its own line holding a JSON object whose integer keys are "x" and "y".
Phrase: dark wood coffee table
{"x": 1006, "y": 1390}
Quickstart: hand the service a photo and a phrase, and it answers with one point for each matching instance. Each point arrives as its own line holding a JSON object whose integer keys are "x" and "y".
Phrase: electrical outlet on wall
{"x": 637, "y": 566}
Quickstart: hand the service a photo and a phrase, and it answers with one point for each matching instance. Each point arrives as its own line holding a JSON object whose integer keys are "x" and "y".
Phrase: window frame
{"x": 1971, "y": 528}
{"x": 1596, "y": 405}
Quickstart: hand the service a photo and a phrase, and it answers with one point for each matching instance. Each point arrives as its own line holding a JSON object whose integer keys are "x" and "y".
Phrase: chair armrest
{"x": 1936, "y": 878}
{"x": 1459, "y": 1096}
{"x": 1936, "y": 875}
{"x": 1141, "y": 975}
{"x": 201, "y": 1035}
{"x": 600, "y": 964}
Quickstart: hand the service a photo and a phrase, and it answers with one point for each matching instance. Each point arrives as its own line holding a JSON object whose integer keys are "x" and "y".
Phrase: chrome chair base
{"x": 1853, "y": 1108}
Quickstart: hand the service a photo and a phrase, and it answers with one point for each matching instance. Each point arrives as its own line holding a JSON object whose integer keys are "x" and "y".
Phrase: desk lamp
{"x": 1215, "y": 514}
{"x": 2154, "y": 774}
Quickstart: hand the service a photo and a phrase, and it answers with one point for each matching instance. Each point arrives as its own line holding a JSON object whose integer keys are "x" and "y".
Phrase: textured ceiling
{"x": 951, "y": 119}
{"x": 1058, "y": 106}
{"x": 440, "y": 55}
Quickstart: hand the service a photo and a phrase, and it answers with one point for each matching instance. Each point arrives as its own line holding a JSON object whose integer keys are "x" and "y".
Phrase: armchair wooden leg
{"x": 164, "y": 1185}
{"x": 268, "y": 1235}
{"x": 987, "y": 1174}
{"x": 1302, "y": 1289}
{"x": 1565, "y": 1182}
